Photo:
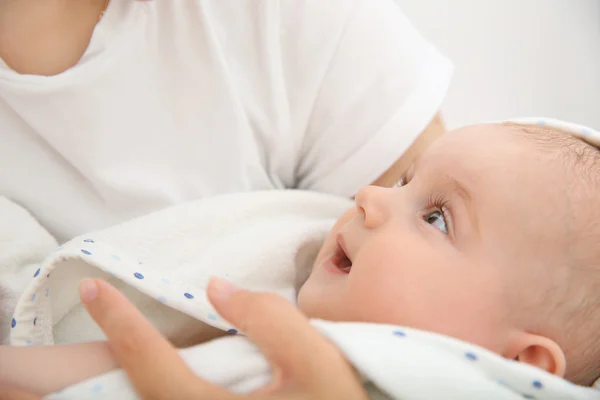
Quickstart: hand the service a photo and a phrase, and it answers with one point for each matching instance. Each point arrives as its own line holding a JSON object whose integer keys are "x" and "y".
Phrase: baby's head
{"x": 493, "y": 238}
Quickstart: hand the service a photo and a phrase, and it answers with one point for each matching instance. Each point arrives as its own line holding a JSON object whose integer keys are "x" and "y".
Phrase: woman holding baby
{"x": 125, "y": 107}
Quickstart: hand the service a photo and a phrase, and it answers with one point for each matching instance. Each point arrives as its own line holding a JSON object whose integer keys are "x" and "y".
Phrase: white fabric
{"x": 262, "y": 240}
{"x": 163, "y": 261}
{"x": 394, "y": 362}
{"x": 179, "y": 100}
{"x": 23, "y": 245}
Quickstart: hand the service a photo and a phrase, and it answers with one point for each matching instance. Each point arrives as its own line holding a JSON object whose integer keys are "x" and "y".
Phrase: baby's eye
{"x": 438, "y": 220}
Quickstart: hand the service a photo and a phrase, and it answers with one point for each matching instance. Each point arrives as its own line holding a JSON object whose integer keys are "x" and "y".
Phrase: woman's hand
{"x": 304, "y": 364}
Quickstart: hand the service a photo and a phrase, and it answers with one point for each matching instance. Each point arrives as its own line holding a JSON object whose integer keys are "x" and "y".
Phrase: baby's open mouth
{"x": 340, "y": 258}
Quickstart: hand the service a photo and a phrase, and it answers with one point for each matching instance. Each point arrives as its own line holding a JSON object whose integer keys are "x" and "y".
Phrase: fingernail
{"x": 222, "y": 288}
{"x": 88, "y": 290}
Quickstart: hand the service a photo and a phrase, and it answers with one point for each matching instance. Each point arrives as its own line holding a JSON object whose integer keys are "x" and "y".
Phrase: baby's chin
{"x": 309, "y": 300}
{"x": 302, "y": 300}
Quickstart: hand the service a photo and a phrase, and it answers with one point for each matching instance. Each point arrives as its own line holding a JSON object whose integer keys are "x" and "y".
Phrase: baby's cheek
{"x": 344, "y": 219}
{"x": 374, "y": 296}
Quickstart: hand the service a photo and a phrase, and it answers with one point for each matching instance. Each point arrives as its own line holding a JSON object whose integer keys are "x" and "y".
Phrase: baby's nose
{"x": 374, "y": 203}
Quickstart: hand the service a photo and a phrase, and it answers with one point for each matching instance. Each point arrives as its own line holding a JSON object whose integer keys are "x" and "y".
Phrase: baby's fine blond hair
{"x": 573, "y": 294}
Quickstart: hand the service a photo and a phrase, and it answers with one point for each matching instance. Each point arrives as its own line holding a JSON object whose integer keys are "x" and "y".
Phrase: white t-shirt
{"x": 177, "y": 100}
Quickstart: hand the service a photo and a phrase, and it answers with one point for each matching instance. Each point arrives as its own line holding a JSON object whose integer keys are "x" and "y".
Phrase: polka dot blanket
{"x": 259, "y": 240}
{"x": 163, "y": 261}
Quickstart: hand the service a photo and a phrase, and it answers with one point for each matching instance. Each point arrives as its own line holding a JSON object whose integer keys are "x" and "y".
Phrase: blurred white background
{"x": 516, "y": 57}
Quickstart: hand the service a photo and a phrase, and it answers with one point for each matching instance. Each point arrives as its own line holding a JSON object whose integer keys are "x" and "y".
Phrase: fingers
{"x": 305, "y": 364}
{"x": 298, "y": 353}
{"x": 151, "y": 362}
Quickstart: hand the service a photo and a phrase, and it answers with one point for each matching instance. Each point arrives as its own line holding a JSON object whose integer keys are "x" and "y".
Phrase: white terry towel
{"x": 162, "y": 262}
{"x": 259, "y": 240}
{"x": 24, "y": 244}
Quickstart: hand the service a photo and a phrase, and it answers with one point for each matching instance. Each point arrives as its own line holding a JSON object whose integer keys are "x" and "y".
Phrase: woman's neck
{"x": 46, "y": 37}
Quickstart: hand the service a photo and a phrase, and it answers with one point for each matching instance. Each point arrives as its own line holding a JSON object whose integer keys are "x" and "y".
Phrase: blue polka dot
{"x": 35, "y": 321}
{"x": 189, "y": 295}
{"x": 233, "y": 331}
{"x": 212, "y": 317}
{"x": 96, "y": 388}
{"x": 541, "y": 122}
{"x": 162, "y": 299}
{"x": 33, "y": 297}
{"x": 471, "y": 356}
{"x": 537, "y": 384}
{"x": 115, "y": 257}
{"x": 88, "y": 241}
{"x": 138, "y": 275}
{"x": 13, "y": 323}
{"x": 36, "y": 273}
{"x": 84, "y": 251}
{"x": 399, "y": 333}
{"x": 47, "y": 292}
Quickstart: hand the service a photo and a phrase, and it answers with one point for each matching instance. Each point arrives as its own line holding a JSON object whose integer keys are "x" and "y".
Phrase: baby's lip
{"x": 342, "y": 244}
{"x": 343, "y": 259}
{"x": 338, "y": 262}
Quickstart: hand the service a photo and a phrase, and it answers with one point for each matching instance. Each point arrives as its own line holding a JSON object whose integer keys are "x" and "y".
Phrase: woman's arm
{"x": 46, "y": 369}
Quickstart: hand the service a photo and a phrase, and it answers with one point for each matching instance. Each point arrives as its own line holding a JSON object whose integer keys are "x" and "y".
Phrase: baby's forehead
{"x": 513, "y": 161}
{"x": 504, "y": 147}
{"x": 473, "y": 148}
{"x": 512, "y": 182}
{"x": 534, "y": 180}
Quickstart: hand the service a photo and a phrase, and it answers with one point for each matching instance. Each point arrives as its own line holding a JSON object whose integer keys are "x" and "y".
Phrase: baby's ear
{"x": 540, "y": 352}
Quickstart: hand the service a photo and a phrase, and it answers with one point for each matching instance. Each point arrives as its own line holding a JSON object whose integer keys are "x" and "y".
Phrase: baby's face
{"x": 438, "y": 253}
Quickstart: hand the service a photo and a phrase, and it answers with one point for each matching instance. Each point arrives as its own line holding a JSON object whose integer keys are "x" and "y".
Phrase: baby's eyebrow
{"x": 461, "y": 189}
{"x": 466, "y": 195}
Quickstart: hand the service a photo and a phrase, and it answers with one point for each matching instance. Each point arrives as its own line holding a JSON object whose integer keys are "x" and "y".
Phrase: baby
{"x": 490, "y": 238}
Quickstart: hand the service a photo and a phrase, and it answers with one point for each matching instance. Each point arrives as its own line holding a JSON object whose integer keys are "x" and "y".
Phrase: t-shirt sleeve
{"x": 382, "y": 85}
